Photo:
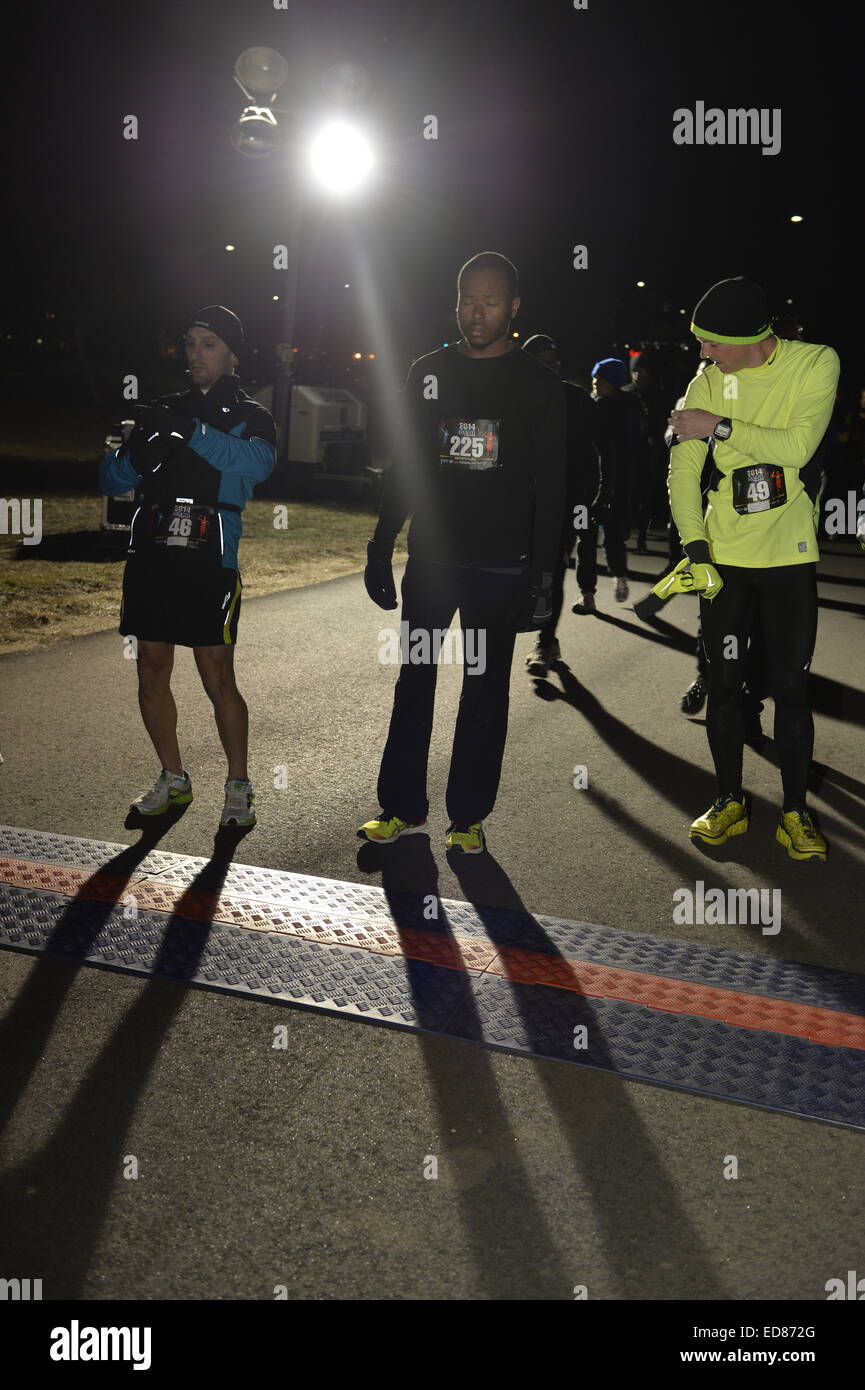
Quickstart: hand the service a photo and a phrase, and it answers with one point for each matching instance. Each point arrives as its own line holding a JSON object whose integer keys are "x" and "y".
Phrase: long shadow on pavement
{"x": 840, "y": 791}
{"x": 686, "y": 787}
{"x": 857, "y": 608}
{"x": 55, "y": 1201}
{"x": 675, "y": 1246}
{"x": 28, "y": 1023}
{"x": 504, "y": 1224}
{"x": 828, "y": 696}
{"x": 654, "y": 629}
{"x": 503, "y": 1219}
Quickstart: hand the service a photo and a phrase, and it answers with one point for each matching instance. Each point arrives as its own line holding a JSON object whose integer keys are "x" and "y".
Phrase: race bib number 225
{"x": 472, "y": 444}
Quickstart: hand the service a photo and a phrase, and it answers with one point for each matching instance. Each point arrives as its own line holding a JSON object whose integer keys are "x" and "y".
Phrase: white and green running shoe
{"x": 169, "y": 790}
{"x": 239, "y": 808}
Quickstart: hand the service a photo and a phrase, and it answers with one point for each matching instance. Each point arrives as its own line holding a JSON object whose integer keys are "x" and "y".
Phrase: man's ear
{"x": 515, "y": 304}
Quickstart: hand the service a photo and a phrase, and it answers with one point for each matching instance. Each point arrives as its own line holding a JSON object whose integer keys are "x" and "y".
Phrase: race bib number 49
{"x": 472, "y": 444}
{"x": 757, "y": 488}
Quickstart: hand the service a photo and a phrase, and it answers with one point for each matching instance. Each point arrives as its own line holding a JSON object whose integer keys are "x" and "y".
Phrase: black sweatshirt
{"x": 584, "y": 466}
{"x": 480, "y": 465}
{"x": 619, "y": 437}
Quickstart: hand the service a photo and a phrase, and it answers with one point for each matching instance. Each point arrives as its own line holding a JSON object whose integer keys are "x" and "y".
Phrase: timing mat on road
{"x": 720, "y": 1023}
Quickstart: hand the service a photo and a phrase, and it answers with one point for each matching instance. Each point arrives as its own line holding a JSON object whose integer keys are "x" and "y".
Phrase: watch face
{"x": 723, "y": 429}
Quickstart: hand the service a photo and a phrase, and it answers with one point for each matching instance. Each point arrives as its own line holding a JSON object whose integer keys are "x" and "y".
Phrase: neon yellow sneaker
{"x": 727, "y": 817}
{"x": 468, "y": 838}
{"x": 800, "y": 836}
{"x": 387, "y": 829}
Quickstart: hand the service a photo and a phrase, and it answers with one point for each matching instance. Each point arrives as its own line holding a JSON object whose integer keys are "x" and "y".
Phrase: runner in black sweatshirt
{"x": 479, "y": 464}
{"x": 583, "y": 481}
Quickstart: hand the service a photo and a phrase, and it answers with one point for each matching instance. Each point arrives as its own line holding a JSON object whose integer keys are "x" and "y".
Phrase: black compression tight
{"x": 785, "y": 600}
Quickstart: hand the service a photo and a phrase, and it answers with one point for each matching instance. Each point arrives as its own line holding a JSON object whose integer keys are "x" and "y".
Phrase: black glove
{"x": 535, "y": 608}
{"x": 378, "y": 576}
{"x": 147, "y": 453}
{"x": 167, "y": 423}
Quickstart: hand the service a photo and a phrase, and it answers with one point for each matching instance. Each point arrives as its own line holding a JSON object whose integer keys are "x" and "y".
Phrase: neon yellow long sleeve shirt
{"x": 780, "y": 412}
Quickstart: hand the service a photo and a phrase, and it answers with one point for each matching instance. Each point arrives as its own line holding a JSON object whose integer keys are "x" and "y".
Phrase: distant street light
{"x": 339, "y": 158}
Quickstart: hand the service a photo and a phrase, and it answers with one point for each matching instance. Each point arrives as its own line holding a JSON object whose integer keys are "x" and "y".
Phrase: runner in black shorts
{"x": 193, "y": 459}
{"x": 767, "y": 402}
{"x": 189, "y": 604}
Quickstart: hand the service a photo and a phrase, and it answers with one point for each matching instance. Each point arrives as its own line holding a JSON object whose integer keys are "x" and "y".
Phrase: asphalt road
{"x": 303, "y": 1167}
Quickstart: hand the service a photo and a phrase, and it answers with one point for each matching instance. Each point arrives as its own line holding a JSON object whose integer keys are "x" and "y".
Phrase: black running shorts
{"x": 180, "y": 598}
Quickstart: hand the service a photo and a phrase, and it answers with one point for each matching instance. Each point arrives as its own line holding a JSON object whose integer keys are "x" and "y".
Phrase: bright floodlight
{"x": 340, "y": 157}
{"x": 261, "y": 70}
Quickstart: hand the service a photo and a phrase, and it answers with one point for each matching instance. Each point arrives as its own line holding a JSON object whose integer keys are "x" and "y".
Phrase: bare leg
{"x": 216, "y": 668}
{"x": 156, "y": 702}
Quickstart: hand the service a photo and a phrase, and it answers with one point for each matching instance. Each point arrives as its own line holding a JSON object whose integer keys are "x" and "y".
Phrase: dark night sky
{"x": 555, "y": 128}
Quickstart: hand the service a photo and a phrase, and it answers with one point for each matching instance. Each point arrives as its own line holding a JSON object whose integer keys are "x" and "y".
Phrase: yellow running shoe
{"x": 468, "y": 838}
{"x": 387, "y": 829}
{"x": 800, "y": 836}
{"x": 725, "y": 818}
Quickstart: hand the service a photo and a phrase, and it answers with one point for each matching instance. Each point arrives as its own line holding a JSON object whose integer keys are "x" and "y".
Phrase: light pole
{"x": 338, "y": 157}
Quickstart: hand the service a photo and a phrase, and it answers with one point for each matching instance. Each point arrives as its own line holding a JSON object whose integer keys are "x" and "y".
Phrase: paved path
{"x": 304, "y": 1166}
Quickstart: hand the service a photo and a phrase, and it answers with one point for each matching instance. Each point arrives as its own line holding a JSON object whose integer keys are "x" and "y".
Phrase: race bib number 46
{"x": 184, "y": 524}
{"x": 758, "y": 487}
{"x": 472, "y": 444}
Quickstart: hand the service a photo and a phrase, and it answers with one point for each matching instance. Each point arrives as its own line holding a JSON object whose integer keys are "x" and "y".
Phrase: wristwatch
{"x": 723, "y": 429}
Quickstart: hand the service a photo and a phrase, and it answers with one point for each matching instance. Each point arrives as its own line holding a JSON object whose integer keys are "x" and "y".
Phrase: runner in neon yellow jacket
{"x": 779, "y": 414}
{"x": 765, "y": 403}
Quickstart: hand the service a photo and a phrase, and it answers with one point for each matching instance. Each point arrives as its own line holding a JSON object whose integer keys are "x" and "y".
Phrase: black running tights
{"x": 785, "y": 600}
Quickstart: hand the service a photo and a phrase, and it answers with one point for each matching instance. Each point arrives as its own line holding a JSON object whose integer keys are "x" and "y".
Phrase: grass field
{"x": 70, "y": 584}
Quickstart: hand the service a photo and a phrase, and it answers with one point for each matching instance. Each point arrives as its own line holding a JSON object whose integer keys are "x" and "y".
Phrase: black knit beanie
{"x": 733, "y": 311}
{"x": 223, "y": 323}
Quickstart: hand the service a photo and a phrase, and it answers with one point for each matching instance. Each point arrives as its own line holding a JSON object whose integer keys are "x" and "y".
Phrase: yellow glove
{"x": 690, "y": 577}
